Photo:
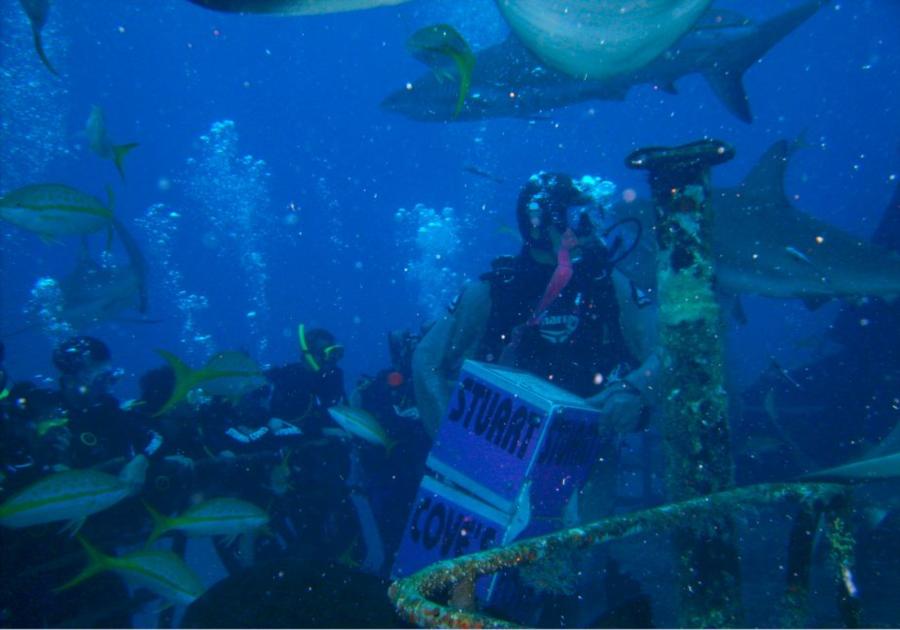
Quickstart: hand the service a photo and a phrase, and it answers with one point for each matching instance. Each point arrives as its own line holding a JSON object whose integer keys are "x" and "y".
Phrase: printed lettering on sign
{"x": 505, "y": 421}
{"x": 436, "y": 524}
{"x": 569, "y": 443}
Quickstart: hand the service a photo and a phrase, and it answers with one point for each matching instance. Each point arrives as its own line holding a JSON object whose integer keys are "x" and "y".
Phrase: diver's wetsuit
{"x": 301, "y": 396}
{"x": 594, "y": 326}
{"x": 578, "y": 338}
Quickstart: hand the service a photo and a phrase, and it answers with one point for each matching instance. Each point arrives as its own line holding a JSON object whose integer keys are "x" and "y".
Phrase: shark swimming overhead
{"x": 599, "y": 39}
{"x": 765, "y": 246}
{"x": 293, "y": 7}
{"x": 508, "y": 81}
{"x": 94, "y": 292}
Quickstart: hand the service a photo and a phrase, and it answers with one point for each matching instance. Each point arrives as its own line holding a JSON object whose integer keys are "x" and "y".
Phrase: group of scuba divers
{"x": 559, "y": 309}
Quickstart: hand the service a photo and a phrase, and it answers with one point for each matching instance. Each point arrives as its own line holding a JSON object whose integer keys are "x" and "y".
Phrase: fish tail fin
{"x": 160, "y": 523}
{"x": 465, "y": 62}
{"x": 97, "y": 563}
{"x": 39, "y": 47}
{"x": 726, "y": 79}
{"x": 389, "y": 447}
{"x": 185, "y": 380}
{"x": 119, "y": 153}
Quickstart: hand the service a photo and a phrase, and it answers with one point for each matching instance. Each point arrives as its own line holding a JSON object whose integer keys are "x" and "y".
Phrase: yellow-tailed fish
{"x": 599, "y": 39}
{"x": 55, "y": 210}
{"x": 37, "y": 12}
{"x": 435, "y": 46}
{"x": 361, "y": 424}
{"x": 71, "y": 496}
{"x": 45, "y": 426}
{"x": 98, "y": 138}
{"x": 293, "y": 7}
{"x": 215, "y": 517}
{"x": 161, "y": 572}
{"x": 227, "y": 374}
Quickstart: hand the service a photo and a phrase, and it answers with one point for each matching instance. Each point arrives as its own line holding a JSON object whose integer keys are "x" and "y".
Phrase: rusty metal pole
{"x": 692, "y": 353}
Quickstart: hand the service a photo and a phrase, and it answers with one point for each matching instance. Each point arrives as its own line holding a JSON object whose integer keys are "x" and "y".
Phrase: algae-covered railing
{"x": 417, "y": 597}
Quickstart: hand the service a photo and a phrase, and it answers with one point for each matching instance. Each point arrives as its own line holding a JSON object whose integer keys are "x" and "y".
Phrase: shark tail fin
{"x": 39, "y": 48}
{"x": 119, "y": 153}
{"x": 98, "y": 562}
{"x": 185, "y": 381}
{"x": 726, "y": 80}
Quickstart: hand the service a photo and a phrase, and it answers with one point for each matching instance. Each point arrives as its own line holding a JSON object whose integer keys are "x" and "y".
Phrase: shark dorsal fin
{"x": 766, "y": 180}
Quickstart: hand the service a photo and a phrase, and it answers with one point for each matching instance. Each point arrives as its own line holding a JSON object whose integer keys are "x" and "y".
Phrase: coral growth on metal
{"x": 415, "y": 596}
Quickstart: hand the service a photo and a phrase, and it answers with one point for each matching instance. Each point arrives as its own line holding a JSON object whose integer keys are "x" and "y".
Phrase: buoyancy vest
{"x": 577, "y": 344}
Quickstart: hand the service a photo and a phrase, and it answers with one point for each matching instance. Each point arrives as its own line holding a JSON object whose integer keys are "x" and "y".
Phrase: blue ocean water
{"x": 268, "y": 185}
{"x": 303, "y": 95}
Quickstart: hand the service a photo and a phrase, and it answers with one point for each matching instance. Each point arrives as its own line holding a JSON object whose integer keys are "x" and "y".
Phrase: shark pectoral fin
{"x": 728, "y": 86}
{"x": 815, "y": 303}
{"x": 39, "y": 47}
{"x": 119, "y": 151}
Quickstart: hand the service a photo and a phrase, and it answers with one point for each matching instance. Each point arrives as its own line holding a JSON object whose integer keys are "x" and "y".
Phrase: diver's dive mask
{"x": 329, "y": 354}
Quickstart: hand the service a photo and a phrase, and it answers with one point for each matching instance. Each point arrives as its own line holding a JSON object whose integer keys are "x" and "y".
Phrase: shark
{"x": 509, "y": 81}
{"x": 293, "y": 7}
{"x": 597, "y": 39}
{"x": 763, "y": 245}
{"x": 95, "y": 292}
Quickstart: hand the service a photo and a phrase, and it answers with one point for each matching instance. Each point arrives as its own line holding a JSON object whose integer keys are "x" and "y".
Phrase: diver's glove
{"x": 155, "y": 442}
{"x": 622, "y": 407}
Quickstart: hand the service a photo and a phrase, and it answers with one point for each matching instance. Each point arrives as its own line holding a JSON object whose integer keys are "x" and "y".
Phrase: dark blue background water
{"x": 304, "y": 95}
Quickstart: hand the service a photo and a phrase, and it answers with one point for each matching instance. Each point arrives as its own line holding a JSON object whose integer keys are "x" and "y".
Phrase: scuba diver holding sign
{"x": 559, "y": 309}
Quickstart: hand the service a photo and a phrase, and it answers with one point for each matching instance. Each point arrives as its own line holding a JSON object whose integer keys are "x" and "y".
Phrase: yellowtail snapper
{"x": 215, "y": 517}
{"x": 55, "y": 210}
{"x": 361, "y": 424}
{"x": 72, "y": 496}
{"x": 161, "y": 572}
{"x": 227, "y": 374}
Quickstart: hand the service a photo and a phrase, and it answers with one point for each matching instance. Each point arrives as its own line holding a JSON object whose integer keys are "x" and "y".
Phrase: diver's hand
{"x": 620, "y": 405}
